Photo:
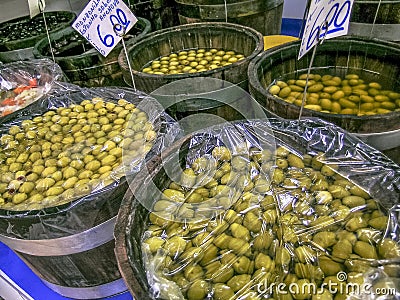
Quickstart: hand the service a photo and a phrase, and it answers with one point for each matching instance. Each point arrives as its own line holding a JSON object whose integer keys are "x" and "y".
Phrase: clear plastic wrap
{"x": 23, "y": 82}
{"x": 62, "y": 207}
{"x": 317, "y": 217}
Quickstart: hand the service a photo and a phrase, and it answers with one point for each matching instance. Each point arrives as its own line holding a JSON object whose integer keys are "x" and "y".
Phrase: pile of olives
{"x": 296, "y": 221}
{"x": 332, "y": 94}
{"x": 192, "y": 61}
{"x": 27, "y": 27}
{"x": 66, "y": 153}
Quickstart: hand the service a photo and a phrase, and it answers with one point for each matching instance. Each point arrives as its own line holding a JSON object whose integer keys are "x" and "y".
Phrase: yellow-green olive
{"x": 262, "y": 241}
{"x": 239, "y": 281}
{"x": 44, "y": 184}
{"x": 365, "y": 250}
{"x": 325, "y": 239}
{"x": 198, "y": 290}
{"x": 222, "y": 292}
{"x": 379, "y": 223}
{"x": 388, "y": 248}
{"x": 19, "y": 197}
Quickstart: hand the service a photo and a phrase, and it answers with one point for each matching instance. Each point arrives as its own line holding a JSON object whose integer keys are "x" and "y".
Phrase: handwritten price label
{"x": 326, "y": 19}
{"x": 104, "y": 22}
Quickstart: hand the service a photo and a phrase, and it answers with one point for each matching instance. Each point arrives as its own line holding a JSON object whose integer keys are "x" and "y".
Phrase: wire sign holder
{"x": 37, "y": 7}
{"x": 119, "y": 30}
{"x": 326, "y": 19}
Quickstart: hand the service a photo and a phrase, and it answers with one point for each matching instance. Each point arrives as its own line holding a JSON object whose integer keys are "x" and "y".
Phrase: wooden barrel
{"x": 82, "y": 63}
{"x": 133, "y": 216}
{"x": 234, "y": 37}
{"x": 75, "y": 259}
{"x": 371, "y": 59}
{"x": 376, "y": 18}
{"x": 264, "y": 16}
{"x": 19, "y": 36}
{"x": 205, "y": 101}
{"x": 160, "y": 13}
{"x": 71, "y": 246}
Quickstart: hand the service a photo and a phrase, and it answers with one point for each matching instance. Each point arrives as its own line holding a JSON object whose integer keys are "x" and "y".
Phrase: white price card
{"x": 326, "y": 19}
{"x": 104, "y": 22}
{"x": 36, "y": 7}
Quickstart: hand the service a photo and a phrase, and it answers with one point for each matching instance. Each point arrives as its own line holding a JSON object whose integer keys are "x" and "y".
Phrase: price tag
{"x": 36, "y": 7}
{"x": 104, "y": 22}
{"x": 326, "y": 19}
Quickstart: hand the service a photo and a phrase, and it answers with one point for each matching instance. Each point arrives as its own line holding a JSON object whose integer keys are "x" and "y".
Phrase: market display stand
{"x": 30, "y": 286}
{"x": 28, "y": 282}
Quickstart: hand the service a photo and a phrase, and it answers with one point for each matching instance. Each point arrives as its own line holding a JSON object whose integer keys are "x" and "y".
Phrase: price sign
{"x": 326, "y": 19}
{"x": 104, "y": 22}
{"x": 36, "y": 7}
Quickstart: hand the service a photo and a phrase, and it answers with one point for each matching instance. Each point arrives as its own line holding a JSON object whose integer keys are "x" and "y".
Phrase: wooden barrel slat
{"x": 364, "y": 11}
{"x": 263, "y": 16}
{"x": 385, "y": 26}
{"x": 90, "y": 68}
{"x": 160, "y": 13}
{"x": 77, "y": 270}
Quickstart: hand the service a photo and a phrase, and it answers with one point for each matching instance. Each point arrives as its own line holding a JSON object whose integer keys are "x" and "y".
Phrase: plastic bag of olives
{"x": 74, "y": 152}
{"x": 315, "y": 217}
{"x": 23, "y": 82}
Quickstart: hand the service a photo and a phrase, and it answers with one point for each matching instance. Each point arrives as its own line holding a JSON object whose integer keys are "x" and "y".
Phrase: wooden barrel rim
{"x": 105, "y": 290}
{"x": 234, "y": 9}
{"x": 193, "y": 27}
{"x": 127, "y": 208}
{"x": 86, "y": 240}
{"x": 256, "y": 84}
{"x": 92, "y": 52}
{"x": 377, "y": 1}
{"x": 13, "y": 45}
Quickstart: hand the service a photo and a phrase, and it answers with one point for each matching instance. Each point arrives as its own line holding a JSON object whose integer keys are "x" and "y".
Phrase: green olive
{"x": 356, "y": 223}
{"x": 54, "y": 191}
{"x": 70, "y": 183}
{"x": 18, "y": 198}
{"x": 154, "y": 243}
{"x": 198, "y": 290}
{"x": 388, "y": 248}
{"x": 223, "y": 292}
{"x": 305, "y": 254}
{"x": 379, "y": 223}
{"x": 239, "y": 281}
{"x": 175, "y": 246}
{"x": 44, "y": 184}
{"x": 365, "y": 250}
{"x": 239, "y": 231}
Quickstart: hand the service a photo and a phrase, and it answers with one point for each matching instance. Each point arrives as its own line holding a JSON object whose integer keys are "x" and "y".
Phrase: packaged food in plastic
{"x": 263, "y": 210}
{"x": 23, "y": 82}
{"x": 65, "y": 157}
